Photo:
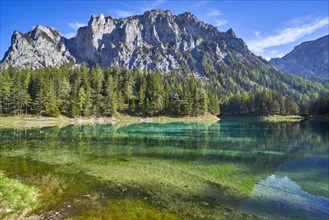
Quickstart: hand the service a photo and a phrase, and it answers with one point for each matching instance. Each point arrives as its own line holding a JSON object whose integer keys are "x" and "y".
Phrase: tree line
{"x": 84, "y": 91}
{"x": 96, "y": 91}
{"x": 263, "y": 102}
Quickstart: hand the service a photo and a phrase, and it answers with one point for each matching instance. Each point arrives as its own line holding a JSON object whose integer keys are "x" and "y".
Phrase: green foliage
{"x": 86, "y": 91}
{"x": 110, "y": 101}
{"x": 321, "y": 105}
{"x": 50, "y": 104}
{"x": 17, "y": 200}
{"x": 262, "y": 102}
{"x": 154, "y": 94}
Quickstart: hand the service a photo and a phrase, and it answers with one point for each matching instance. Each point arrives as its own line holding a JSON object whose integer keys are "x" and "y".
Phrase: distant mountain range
{"x": 310, "y": 58}
{"x": 155, "y": 40}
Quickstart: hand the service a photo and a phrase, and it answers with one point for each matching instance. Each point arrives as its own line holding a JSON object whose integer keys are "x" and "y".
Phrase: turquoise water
{"x": 231, "y": 169}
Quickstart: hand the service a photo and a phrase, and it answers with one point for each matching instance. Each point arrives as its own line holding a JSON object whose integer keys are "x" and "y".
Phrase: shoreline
{"x": 269, "y": 118}
{"x": 34, "y": 121}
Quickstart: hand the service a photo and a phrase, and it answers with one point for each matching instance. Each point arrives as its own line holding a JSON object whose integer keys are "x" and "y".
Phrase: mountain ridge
{"x": 155, "y": 40}
{"x": 310, "y": 58}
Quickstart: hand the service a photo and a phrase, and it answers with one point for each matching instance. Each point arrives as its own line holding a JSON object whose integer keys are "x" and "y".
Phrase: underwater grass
{"x": 17, "y": 200}
{"x": 183, "y": 170}
{"x": 179, "y": 188}
{"x": 127, "y": 208}
{"x": 316, "y": 184}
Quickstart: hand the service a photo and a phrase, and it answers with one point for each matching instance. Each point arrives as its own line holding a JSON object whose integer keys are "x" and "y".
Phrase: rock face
{"x": 309, "y": 58}
{"x": 156, "y": 40}
{"x": 43, "y": 46}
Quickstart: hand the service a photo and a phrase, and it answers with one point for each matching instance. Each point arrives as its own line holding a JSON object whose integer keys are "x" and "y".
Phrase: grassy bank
{"x": 33, "y": 121}
{"x": 283, "y": 118}
{"x": 16, "y": 199}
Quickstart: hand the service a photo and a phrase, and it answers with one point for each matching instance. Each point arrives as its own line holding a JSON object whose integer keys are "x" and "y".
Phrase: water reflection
{"x": 198, "y": 168}
{"x": 281, "y": 197}
{"x": 254, "y": 142}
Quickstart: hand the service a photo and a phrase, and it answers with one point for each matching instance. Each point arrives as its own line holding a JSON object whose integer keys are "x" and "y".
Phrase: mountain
{"x": 227, "y": 73}
{"x": 156, "y": 40}
{"x": 310, "y": 58}
{"x": 41, "y": 47}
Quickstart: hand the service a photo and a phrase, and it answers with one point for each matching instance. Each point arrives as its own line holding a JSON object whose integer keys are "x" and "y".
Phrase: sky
{"x": 270, "y": 28}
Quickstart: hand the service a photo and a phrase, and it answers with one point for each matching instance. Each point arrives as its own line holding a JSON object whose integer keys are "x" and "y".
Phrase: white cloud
{"x": 134, "y": 10}
{"x": 220, "y": 22}
{"x": 122, "y": 13}
{"x": 76, "y": 25}
{"x": 158, "y": 2}
{"x": 214, "y": 17}
{"x": 69, "y": 35}
{"x": 257, "y": 33}
{"x": 286, "y": 35}
{"x": 213, "y": 13}
{"x": 299, "y": 21}
{"x": 268, "y": 54}
{"x": 147, "y": 6}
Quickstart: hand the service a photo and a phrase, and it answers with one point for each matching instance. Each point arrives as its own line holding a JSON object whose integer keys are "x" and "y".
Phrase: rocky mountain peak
{"x": 46, "y": 32}
{"x": 98, "y": 19}
{"x": 189, "y": 16}
{"x": 16, "y": 36}
{"x": 155, "y": 40}
{"x": 157, "y": 12}
{"x": 231, "y": 33}
{"x": 42, "y": 46}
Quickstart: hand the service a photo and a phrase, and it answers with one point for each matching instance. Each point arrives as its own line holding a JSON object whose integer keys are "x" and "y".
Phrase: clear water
{"x": 231, "y": 169}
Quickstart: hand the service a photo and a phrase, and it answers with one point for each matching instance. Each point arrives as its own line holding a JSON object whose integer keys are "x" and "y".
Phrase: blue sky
{"x": 270, "y": 28}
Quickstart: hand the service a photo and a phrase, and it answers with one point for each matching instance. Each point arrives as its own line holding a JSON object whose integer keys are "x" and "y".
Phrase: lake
{"x": 242, "y": 169}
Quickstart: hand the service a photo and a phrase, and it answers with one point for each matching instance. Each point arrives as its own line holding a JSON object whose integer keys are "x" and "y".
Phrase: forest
{"x": 83, "y": 91}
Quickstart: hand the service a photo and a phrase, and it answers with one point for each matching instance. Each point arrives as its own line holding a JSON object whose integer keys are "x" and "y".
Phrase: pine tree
{"x": 110, "y": 103}
{"x": 275, "y": 109}
{"x": 213, "y": 104}
{"x": 142, "y": 93}
{"x": 74, "y": 103}
{"x": 166, "y": 95}
{"x": 6, "y": 85}
{"x": 96, "y": 79}
{"x": 154, "y": 94}
{"x": 82, "y": 100}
